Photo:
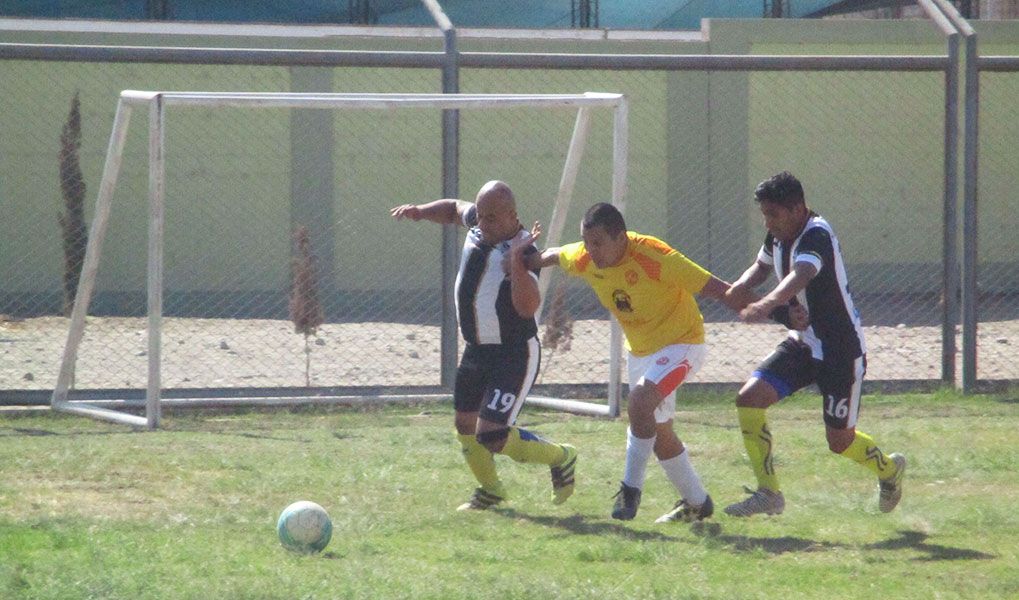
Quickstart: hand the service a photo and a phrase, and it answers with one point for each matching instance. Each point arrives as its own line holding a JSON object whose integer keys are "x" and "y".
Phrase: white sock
{"x": 682, "y": 475}
{"x": 638, "y": 451}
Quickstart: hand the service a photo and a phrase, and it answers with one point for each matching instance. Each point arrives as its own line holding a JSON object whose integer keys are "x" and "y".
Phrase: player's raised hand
{"x": 535, "y": 231}
{"x": 406, "y": 211}
{"x": 517, "y": 247}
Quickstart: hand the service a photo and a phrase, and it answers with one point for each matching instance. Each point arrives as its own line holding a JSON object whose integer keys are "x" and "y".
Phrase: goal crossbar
{"x": 367, "y": 100}
{"x": 158, "y": 101}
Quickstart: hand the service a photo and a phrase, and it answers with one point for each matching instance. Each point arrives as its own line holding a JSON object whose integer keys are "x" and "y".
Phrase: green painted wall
{"x": 868, "y": 147}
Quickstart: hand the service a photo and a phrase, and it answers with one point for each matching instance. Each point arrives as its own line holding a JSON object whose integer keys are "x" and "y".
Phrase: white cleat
{"x": 762, "y": 501}
{"x": 890, "y": 490}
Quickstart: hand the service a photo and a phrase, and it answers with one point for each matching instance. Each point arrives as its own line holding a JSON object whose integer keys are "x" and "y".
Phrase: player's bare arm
{"x": 546, "y": 258}
{"x": 444, "y": 212}
{"x": 792, "y": 284}
{"x": 742, "y": 293}
{"x": 523, "y": 286}
{"x": 549, "y": 257}
{"x": 716, "y": 289}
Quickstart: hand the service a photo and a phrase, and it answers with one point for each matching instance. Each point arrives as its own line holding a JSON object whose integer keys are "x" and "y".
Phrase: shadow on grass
{"x": 913, "y": 540}
{"x": 711, "y": 424}
{"x": 777, "y": 545}
{"x": 255, "y": 435}
{"x": 582, "y": 525}
{"x": 262, "y": 436}
{"x": 740, "y": 544}
{"x": 27, "y": 432}
{"x": 917, "y": 540}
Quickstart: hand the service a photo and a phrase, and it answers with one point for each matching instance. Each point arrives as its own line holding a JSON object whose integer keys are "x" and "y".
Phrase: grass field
{"x": 95, "y": 510}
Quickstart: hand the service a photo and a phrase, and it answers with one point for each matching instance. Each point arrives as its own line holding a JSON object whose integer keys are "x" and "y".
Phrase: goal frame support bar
{"x": 158, "y": 101}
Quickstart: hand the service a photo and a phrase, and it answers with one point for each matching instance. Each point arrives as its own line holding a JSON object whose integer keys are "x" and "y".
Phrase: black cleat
{"x": 627, "y": 502}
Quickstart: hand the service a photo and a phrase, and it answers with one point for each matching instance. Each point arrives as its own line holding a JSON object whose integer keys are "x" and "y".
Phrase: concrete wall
{"x": 868, "y": 147}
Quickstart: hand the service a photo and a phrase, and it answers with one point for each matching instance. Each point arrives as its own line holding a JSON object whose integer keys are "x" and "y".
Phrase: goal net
{"x": 272, "y": 267}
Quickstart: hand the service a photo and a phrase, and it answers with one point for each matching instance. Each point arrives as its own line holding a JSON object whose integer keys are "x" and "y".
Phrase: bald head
{"x": 498, "y": 194}
{"x": 497, "y": 212}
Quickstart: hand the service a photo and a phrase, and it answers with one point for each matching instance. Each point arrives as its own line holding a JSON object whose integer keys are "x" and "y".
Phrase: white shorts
{"x": 666, "y": 369}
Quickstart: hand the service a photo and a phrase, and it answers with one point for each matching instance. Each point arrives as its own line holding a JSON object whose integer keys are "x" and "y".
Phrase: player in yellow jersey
{"x": 649, "y": 287}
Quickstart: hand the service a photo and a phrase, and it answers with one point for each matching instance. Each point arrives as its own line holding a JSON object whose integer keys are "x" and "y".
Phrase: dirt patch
{"x": 199, "y": 353}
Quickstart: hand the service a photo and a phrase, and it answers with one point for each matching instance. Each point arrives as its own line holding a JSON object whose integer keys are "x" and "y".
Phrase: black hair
{"x": 606, "y": 216}
{"x": 782, "y": 189}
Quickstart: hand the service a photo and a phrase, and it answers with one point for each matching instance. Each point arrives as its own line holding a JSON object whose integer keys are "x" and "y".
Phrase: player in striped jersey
{"x": 495, "y": 310}
{"x": 649, "y": 287}
{"x": 802, "y": 250}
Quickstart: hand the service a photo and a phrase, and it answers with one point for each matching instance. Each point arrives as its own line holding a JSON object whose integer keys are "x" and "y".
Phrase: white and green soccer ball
{"x": 304, "y": 527}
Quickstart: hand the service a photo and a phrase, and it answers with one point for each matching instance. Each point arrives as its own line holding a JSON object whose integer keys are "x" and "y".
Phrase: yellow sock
{"x": 482, "y": 463}
{"x": 525, "y": 447}
{"x": 757, "y": 439}
{"x": 865, "y": 451}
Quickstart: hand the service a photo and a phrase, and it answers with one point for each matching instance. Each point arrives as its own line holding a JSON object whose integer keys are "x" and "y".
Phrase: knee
{"x": 837, "y": 447}
{"x": 640, "y": 414}
{"x": 754, "y": 399}
{"x": 494, "y": 439}
{"x": 642, "y": 403}
{"x": 465, "y": 423}
{"x": 838, "y": 443}
{"x": 756, "y": 394}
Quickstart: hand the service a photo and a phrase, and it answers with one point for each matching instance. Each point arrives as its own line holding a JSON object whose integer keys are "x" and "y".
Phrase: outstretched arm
{"x": 547, "y": 258}
{"x": 445, "y": 212}
{"x": 791, "y": 284}
{"x": 523, "y": 285}
{"x": 742, "y": 293}
{"x": 716, "y": 289}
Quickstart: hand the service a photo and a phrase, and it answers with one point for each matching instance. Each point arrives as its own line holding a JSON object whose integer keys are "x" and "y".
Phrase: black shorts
{"x": 791, "y": 367}
{"x": 494, "y": 379}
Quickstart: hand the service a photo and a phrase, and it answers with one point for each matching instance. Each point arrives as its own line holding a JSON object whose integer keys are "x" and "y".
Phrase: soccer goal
{"x": 158, "y": 343}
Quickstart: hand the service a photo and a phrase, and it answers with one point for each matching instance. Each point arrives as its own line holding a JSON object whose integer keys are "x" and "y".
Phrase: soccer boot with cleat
{"x": 627, "y": 502}
{"x": 685, "y": 512}
{"x": 563, "y": 480}
{"x": 762, "y": 501}
{"x": 890, "y": 490}
{"x": 481, "y": 500}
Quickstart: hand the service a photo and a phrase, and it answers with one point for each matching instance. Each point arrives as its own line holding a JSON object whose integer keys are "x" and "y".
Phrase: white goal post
{"x": 158, "y": 102}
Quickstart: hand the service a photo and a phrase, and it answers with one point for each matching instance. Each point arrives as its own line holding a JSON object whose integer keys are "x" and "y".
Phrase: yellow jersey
{"x": 650, "y": 292}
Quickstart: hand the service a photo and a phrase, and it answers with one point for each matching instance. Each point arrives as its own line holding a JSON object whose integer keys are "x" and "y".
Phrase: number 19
{"x": 502, "y": 402}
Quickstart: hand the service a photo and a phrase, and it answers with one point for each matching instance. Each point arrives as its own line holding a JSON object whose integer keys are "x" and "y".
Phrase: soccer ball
{"x": 304, "y": 527}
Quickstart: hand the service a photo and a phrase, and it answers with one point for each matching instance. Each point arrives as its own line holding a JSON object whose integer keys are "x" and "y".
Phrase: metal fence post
{"x": 450, "y": 189}
{"x": 970, "y": 294}
{"x": 950, "y": 223}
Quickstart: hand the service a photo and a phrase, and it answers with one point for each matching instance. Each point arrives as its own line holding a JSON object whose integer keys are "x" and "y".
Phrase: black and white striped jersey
{"x": 484, "y": 305}
{"x": 835, "y": 333}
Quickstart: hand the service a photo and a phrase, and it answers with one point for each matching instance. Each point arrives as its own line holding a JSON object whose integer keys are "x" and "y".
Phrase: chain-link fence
{"x": 868, "y": 146}
{"x": 998, "y": 221}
